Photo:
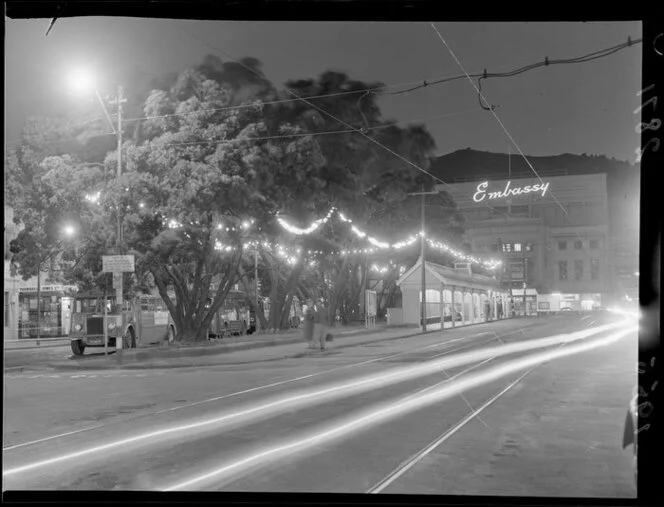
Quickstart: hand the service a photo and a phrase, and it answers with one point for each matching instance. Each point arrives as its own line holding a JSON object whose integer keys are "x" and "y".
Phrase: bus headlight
{"x": 77, "y": 327}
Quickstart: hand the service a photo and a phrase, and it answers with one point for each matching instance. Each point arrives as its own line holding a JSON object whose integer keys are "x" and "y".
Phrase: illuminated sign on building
{"x": 482, "y": 193}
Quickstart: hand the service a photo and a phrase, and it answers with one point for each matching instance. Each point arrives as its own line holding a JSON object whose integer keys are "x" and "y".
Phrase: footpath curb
{"x": 32, "y": 345}
{"x": 156, "y": 359}
{"x": 134, "y": 362}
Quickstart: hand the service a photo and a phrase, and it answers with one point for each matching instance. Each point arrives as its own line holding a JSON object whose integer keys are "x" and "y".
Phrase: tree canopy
{"x": 217, "y": 160}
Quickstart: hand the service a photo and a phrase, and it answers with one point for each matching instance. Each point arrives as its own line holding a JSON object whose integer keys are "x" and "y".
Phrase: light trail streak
{"x": 265, "y": 386}
{"x": 390, "y": 411}
{"x": 410, "y": 463}
{"x": 311, "y": 398}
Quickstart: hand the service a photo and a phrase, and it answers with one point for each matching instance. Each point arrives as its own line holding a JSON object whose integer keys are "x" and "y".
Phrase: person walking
{"x": 309, "y": 325}
{"x": 320, "y": 327}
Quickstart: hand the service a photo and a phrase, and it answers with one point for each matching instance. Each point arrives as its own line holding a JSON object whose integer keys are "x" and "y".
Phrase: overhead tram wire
{"x": 493, "y": 112}
{"x": 422, "y": 84}
{"x": 359, "y": 131}
{"x": 546, "y": 63}
{"x": 262, "y": 76}
{"x": 425, "y": 83}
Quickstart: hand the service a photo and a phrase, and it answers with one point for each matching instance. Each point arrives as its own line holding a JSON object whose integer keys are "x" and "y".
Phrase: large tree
{"x": 197, "y": 189}
{"x": 366, "y": 176}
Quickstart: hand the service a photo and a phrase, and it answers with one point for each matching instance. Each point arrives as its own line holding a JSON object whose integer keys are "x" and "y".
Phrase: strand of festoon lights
{"x": 490, "y": 264}
{"x": 292, "y": 255}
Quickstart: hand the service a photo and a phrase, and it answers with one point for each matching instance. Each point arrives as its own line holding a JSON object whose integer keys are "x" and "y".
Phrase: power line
{"x": 484, "y": 75}
{"x": 365, "y": 91}
{"x": 320, "y": 133}
{"x": 360, "y": 131}
{"x": 580, "y": 59}
{"x": 493, "y": 112}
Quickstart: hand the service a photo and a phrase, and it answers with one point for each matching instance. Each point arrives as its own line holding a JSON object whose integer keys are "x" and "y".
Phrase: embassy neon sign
{"x": 481, "y": 193}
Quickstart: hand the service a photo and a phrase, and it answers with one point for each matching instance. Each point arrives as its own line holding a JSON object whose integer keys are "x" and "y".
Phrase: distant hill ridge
{"x": 469, "y": 165}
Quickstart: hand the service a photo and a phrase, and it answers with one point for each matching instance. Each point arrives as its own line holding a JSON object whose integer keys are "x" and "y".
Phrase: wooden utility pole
{"x": 423, "y": 310}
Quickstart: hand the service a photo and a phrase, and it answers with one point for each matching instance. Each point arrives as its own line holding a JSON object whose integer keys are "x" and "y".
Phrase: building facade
{"x": 22, "y": 308}
{"x": 11, "y": 285}
{"x": 551, "y": 234}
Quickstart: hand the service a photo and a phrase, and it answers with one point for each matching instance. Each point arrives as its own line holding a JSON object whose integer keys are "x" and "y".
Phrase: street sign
{"x": 117, "y": 263}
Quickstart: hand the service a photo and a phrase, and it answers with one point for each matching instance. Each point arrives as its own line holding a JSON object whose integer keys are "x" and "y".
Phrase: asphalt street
{"x": 520, "y": 407}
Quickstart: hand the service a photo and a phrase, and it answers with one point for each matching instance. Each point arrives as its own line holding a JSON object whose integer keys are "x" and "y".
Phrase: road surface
{"x": 521, "y": 407}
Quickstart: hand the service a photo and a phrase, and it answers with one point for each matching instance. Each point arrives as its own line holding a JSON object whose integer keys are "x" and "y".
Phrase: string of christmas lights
{"x": 490, "y": 264}
{"x": 293, "y": 256}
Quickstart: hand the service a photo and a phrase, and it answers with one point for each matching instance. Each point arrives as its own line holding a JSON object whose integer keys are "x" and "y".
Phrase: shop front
{"x": 524, "y": 302}
{"x": 51, "y": 313}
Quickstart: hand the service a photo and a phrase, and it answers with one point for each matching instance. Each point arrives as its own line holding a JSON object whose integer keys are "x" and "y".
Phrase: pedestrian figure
{"x": 320, "y": 327}
{"x": 308, "y": 327}
{"x": 500, "y": 309}
{"x": 487, "y": 310}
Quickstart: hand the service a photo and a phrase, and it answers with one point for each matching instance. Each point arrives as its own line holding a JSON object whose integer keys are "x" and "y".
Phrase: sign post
{"x": 105, "y": 327}
{"x": 117, "y": 264}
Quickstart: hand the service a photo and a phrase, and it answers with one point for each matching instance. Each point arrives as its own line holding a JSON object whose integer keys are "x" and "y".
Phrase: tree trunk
{"x": 260, "y": 314}
{"x": 291, "y": 284}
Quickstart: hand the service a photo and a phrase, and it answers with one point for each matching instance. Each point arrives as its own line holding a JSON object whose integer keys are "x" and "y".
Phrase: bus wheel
{"x": 171, "y": 334}
{"x": 128, "y": 339}
{"x": 77, "y": 347}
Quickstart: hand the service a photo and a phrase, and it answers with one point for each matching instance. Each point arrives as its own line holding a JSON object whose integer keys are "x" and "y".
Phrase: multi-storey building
{"x": 552, "y": 234}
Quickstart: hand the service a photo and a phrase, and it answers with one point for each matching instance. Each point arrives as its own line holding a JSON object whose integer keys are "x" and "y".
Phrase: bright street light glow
{"x": 81, "y": 81}
{"x": 69, "y": 230}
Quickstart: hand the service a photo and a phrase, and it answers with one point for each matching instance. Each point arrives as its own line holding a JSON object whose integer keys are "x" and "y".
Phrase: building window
{"x": 562, "y": 245}
{"x": 507, "y": 247}
{"x": 594, "y": 269}
{"x": 578, "y": 245}
{"x": 520, "y": 210}
{"x": 433, "y": 296}
{"x": 500, "y": 210}
{"x": 529, "y": 247}
{"x": 562, "y": 270}
{"x": 594, "y": 244}
{"x": 578, "y": 270}
{"x": 517, "y": 247}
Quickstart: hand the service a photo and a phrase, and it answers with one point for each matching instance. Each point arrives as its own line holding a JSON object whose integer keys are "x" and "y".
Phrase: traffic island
{"x": 159, "y": 356}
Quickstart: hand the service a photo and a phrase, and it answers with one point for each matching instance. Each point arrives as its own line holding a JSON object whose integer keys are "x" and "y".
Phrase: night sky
{"x": 581, "y": 108}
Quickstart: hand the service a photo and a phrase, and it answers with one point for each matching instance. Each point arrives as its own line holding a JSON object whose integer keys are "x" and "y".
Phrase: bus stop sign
{"x": 117, "y": 263}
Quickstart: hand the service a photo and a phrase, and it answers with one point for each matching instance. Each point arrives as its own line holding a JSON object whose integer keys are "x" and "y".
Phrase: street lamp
{"x": 82, "y": 80}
